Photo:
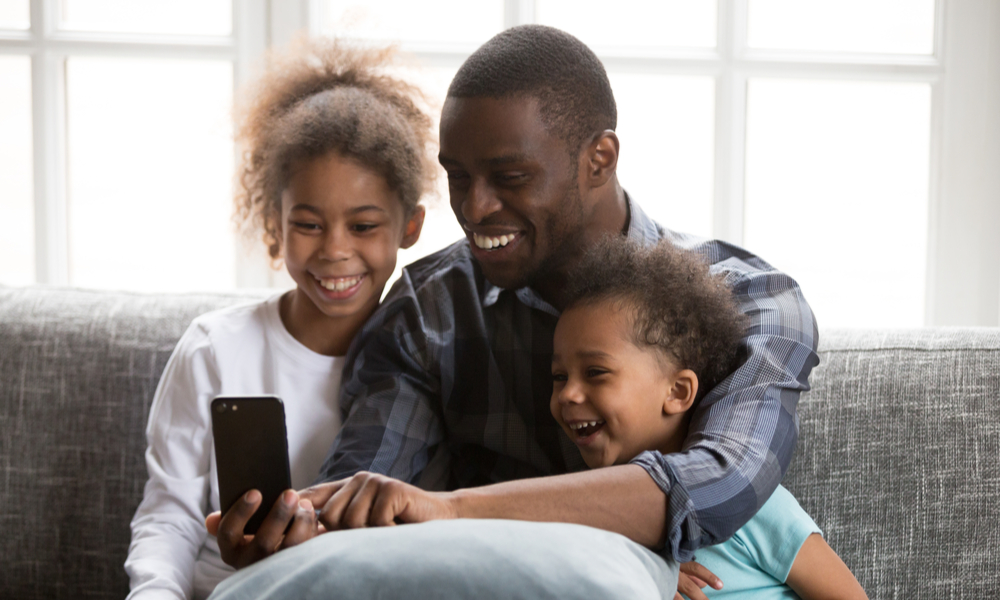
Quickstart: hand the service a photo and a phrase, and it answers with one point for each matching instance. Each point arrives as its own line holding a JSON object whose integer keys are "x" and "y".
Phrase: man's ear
{"x": 601, "y": 159}
{"x": 411, "y": 233}
{"x": 682, "y": 392}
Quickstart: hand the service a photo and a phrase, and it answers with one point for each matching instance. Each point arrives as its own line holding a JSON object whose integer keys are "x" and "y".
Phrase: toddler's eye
{"x": 558, "y": 377}
{"x": 596, "y": 372}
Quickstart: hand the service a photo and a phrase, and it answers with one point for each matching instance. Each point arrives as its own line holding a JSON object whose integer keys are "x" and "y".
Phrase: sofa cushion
{"x": 77, "y": 374}
{"x": 898, "y": 459}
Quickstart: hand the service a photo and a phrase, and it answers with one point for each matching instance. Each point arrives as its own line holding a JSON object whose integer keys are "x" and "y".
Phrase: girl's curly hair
{"x": 676, "y": 305}
{"x": 320, "y": 96}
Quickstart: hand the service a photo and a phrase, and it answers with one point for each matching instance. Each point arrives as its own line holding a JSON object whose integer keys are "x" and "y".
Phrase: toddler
{"x": 628, "y": 364}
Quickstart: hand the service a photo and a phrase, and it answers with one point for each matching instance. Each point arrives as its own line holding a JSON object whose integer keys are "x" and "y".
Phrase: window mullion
{"x": 48, "y": 92}
{"x": 730, "y": 124}
{"x": 518, "y": 12}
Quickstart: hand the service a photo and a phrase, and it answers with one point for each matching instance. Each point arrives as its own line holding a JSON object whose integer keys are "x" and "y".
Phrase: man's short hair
{"x": 567, "y": 78}
{"x": 675, "y": 304}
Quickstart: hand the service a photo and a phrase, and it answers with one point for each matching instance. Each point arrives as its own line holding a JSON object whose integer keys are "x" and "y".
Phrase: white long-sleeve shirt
{"x": 241, "y": 350}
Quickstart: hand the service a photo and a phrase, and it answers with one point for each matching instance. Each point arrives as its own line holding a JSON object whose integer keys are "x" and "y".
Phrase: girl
{"x": 337, "y": 156}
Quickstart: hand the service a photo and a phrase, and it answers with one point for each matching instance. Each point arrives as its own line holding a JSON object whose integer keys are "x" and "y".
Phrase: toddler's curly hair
{"x": 675, "y": 304}
{"x": 318, "y": 96}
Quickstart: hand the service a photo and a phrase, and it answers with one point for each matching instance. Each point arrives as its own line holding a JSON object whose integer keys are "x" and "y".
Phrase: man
{"x": 455, "y": 366}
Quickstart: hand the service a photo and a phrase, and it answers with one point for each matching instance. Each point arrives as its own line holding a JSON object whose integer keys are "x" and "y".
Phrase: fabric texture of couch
{"x": 898, "y": 457}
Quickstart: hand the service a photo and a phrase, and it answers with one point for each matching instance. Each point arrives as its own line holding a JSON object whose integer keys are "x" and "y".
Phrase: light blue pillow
{"x": 464, "y": 558}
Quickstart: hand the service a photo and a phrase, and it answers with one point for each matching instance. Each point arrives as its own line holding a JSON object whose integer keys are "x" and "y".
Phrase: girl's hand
{"x": 290, "y": 522}
{"x": 372, "y": 500}
{"x": 692, "y": 578}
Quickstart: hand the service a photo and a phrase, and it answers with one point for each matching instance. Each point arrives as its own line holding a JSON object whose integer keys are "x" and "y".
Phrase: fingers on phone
{"x": 304, "y": 525}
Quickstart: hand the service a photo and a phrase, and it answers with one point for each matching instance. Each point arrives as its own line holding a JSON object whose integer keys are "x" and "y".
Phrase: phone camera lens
{"x": 220, "y": 407}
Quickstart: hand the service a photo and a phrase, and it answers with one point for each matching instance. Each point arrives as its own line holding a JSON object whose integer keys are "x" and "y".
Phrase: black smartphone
{"x": 251, "y": 451}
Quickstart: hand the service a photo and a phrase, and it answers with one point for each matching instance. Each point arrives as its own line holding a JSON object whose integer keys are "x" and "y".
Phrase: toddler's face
{"x": 341, "y": 228}
{"x": 611, "y": 397}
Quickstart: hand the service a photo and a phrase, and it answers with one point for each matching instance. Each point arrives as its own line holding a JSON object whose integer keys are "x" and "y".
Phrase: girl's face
{"x": 341, "y": 228}
{"x": 614, "y": 399}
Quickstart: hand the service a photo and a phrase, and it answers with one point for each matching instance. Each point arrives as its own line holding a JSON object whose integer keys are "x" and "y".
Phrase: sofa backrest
{"x": 898, "y": 457}
{"x": 77, "y": 374}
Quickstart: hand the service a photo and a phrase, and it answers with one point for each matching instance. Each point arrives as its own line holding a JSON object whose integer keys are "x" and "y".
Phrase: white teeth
{"x": 341, "y": 284}
{"x": 488, "y": 243}
{"x": 577, "y": 426}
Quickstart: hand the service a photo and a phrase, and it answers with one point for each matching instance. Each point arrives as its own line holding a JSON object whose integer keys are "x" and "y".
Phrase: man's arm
{"x": 740, "y": 443}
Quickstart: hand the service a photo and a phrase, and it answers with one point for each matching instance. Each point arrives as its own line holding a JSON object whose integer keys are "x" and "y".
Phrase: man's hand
{"x": 692, "y": 578}
{"x": 372, "y": 500}
{"x": 240, "y": 550}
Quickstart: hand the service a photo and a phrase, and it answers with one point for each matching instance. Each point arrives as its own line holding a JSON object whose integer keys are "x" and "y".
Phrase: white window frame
{"x": 963, "y": 248}
{"x": 48, "y": 48}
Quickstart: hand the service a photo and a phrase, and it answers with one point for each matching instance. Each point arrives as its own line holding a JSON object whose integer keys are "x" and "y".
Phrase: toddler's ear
{"x": 682, "y": 392}
{"x": 414, "y": 224}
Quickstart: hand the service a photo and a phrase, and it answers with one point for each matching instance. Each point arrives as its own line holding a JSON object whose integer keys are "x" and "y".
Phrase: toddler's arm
{"x": 819, "y": 574}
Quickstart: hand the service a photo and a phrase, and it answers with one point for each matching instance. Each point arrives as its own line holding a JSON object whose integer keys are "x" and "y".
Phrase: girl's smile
{"x": 341, "y": 226}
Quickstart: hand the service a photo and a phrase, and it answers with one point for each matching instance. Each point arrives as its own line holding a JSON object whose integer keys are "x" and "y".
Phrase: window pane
{"x": 440, "y": 21}
{"x": 17, "y": 252}
{"x": 836, "y": 194}
{"x": 881, "y": 26}
{"x": 633, "y": 23}
{"x": 440, "y": 227}
{"x": 15, "y": 14}
{"x": 666, "y": 129}
{"x": 150, "y": 166}
{"x": 190, "y": 17}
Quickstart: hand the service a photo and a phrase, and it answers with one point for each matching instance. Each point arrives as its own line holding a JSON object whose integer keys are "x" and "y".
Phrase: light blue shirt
{"x": 755, "y": 562}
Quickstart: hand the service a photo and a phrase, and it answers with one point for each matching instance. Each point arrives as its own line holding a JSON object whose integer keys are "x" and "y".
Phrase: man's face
{"x": 513, "y": 188}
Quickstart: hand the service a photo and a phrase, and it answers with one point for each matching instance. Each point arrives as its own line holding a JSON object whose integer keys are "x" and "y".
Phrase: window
{"x": 852, "y": 143}
{"x": 811, "y": 131}
{"x": 118, "y": 143}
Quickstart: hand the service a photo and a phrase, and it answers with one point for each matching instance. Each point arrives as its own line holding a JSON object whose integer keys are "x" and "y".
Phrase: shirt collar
{"x": 641, "y": 229}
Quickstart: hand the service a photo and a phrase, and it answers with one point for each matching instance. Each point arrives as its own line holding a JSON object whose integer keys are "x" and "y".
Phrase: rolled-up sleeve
{"x": 743, "y": 432}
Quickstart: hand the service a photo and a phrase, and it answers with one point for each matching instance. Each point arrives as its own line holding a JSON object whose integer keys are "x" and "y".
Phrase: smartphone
{"x": 251, "y": 451}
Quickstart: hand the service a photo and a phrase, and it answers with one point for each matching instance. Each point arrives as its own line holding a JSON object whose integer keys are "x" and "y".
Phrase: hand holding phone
{"x": 251, "y": 451}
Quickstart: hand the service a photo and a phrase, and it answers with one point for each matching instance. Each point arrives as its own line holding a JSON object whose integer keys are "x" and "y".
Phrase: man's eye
{"x": 513, "y": 177}
{"x": 457, "y": 175}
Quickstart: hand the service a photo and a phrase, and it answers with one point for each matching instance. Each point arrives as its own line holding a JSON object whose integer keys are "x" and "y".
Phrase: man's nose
{"x": 480, "y": 201}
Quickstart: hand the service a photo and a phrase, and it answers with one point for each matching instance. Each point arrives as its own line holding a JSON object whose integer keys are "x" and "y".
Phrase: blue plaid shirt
{"x": 452, "y": 370}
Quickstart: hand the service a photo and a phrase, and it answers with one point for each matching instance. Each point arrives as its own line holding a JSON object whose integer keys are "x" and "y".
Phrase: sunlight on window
{"x": 666, "y": 127}
{"x": 150, "y": 169}
{"x": 837, "y": 192}
{"x": 15, "y": 14}
{"x": 633, "y": 23}
{"x": 443, "y": 22}
{"x": 17, "y": 251}
{"x": 187, "y": 17}
{"x": 889, "y": 26}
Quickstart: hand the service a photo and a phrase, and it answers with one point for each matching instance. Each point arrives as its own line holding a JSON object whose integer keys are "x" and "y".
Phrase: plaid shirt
{"x": 452, "y": 375}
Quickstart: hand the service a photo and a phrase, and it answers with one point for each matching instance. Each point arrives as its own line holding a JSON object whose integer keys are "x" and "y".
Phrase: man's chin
{"x": 506, "y": 278}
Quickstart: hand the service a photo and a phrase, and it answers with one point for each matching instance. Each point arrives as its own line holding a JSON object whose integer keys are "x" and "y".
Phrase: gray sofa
{"x": 898, "y": 459}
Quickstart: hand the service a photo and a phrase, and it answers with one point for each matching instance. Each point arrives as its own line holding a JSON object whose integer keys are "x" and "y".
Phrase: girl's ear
{"x": 682, "y": 392}
{"x": 413, "y": 226}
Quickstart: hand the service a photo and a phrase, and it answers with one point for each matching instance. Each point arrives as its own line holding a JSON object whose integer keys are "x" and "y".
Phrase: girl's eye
{"x": 305, "y": 226}
{"x": 363, "y": 227}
